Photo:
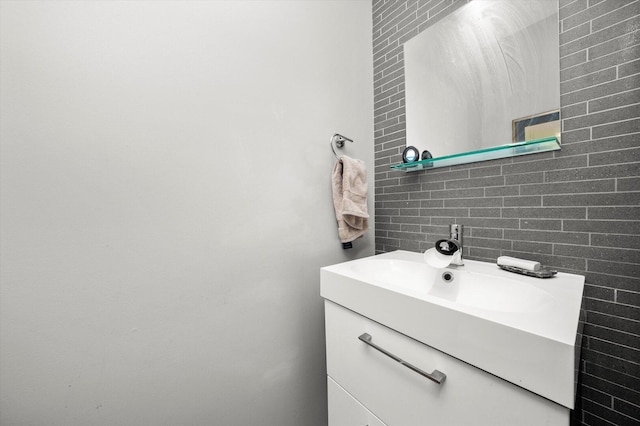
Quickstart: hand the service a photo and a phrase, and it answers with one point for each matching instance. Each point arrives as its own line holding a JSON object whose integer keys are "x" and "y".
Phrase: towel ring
{"x": 338, "y": 139}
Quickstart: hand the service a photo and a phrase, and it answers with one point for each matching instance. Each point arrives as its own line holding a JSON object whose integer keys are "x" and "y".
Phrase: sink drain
{"x": 447, "y": 276}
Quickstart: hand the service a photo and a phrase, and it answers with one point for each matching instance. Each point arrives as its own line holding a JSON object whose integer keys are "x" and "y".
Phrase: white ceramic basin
{"x": 460, "y": 287}
{"x": 520, "y": 328}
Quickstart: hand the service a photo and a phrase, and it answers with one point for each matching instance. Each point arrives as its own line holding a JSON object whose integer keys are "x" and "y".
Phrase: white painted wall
{"x": 166, "y": 206}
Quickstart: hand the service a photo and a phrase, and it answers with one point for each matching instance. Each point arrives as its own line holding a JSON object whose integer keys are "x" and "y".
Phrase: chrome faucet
{"x": 450, "y": 249}
{"x": 455, "y": 236}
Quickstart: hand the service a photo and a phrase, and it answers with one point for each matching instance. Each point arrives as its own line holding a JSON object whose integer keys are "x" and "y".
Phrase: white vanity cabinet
{"x": 369, "y": 388}
{"x": 346, "y": 410}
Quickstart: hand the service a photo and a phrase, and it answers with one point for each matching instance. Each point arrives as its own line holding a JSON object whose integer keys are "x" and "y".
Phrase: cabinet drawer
{"x": 399, "y": 396}
{"x": 345, "y": 410}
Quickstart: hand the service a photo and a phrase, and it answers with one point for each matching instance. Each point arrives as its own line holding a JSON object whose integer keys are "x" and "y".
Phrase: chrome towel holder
{"x": 338, "y": 140}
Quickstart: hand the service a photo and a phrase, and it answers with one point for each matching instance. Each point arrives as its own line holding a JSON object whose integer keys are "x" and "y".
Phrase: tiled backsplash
{"x": 575, "y": 209}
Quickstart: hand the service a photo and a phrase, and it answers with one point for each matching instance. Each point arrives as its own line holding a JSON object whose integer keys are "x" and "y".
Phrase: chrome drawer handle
{"x": 435, "y": 376}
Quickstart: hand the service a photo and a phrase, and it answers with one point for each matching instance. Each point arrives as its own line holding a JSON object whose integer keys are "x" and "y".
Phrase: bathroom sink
{"x": 460, "y": 286}
{"x": 522, "y": 329}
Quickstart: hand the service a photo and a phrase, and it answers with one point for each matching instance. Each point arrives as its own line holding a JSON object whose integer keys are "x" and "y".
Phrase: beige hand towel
{"x": 349, "y": 183}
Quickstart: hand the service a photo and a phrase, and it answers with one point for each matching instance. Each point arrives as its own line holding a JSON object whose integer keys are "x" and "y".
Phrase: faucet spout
{"x": 449, "y": 249}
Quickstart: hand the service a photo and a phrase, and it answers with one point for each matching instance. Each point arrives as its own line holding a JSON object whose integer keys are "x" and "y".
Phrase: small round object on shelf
{"x": 410, "y": 154}
{"x": 426, "y": 155}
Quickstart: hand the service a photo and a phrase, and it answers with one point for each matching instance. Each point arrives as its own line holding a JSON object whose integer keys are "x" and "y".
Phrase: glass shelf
{"x": 501, "y": 151}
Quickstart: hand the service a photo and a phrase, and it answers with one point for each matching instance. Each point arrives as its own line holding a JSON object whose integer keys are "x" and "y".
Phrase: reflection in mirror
{"x": 485, "y": 75}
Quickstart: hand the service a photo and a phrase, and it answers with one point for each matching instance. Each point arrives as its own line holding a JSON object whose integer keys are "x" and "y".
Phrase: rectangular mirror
{"x": 486, "y": 75}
